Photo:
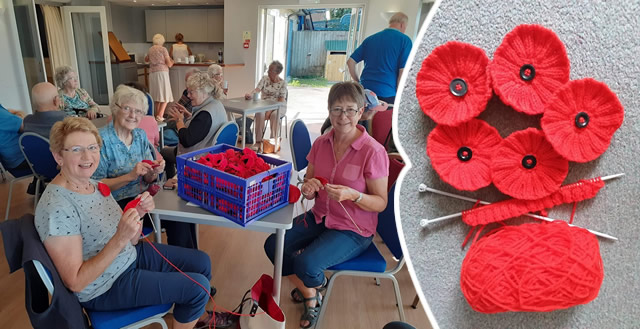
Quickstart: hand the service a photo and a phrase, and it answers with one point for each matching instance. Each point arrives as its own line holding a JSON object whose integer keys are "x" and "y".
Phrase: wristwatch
{"x": 359, "y": 198}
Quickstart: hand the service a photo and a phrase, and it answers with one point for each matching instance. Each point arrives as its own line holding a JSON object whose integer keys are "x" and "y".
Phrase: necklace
{"x": 76, "y": 187}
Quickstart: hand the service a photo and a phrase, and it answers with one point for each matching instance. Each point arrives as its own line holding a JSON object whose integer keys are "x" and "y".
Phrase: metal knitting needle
{"x": 425, "y": 222}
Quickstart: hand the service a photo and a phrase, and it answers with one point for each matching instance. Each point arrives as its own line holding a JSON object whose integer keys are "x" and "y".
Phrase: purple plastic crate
{"x": 242, "y": 200}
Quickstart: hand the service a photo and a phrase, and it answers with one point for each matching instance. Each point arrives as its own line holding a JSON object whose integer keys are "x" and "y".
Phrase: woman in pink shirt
{"x": 159, "y": 84}
{"x": 343, "y": 220}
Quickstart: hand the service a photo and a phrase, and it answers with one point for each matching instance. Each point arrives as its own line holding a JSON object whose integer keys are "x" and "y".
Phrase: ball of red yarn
{"x": 532, "y": 267}
{"x": 453, "y": 85}
{"x": 461, "y": 155}
{"x": 581, "y": 118}
{"x": 530, "y": 64}
{"x": 525, "y": 166}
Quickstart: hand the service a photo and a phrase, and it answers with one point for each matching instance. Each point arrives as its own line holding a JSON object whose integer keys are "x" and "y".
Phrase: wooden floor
{"x": 238, "y": 260}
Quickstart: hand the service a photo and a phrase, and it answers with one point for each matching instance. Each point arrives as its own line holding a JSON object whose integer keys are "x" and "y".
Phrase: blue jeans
{"x": 309, "y": 251}
{"x": 150, "y": 280}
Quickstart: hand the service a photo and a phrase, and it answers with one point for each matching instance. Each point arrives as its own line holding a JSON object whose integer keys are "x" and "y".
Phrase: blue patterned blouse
{"x": 116, "y": 159}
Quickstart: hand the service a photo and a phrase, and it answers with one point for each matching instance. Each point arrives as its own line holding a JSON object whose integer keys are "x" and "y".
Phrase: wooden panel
{"x": 116, "y": 48}
{"x": 308, "y": 54}
{"x": 333, "y": 66}
{"x": 215, "y": 25}
{"x": 155, "y": 22}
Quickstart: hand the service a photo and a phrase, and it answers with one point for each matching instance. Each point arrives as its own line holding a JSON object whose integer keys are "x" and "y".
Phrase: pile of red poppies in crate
{"x": 245, "y": 163}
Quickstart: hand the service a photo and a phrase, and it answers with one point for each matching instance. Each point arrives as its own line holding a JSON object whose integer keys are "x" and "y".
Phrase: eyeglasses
{"x": 350, "y": 113}
{"x": 127, "y": 110}
{"x": 77, "y": 150}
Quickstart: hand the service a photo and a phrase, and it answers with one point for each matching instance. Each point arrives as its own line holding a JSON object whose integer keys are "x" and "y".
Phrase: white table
{"x": 170, "y": 206}
{"x": 245, "y": 107}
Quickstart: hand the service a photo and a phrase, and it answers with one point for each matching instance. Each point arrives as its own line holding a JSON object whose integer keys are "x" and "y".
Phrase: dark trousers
{"x": 170, "y": 154}
{"x": 310, "y": 249}
{"x": 150, "y": 280}
{"x": 178, "y": 233}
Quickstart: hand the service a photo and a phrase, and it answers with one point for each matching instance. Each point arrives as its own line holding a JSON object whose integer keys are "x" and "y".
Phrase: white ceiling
{"x": 161, "y": 3}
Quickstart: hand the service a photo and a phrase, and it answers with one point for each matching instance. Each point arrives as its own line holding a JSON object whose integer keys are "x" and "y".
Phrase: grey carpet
{"x": 603, "y": 41}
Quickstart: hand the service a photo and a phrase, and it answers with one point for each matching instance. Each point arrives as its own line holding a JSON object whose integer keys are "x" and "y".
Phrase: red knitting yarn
{"x": 453, "y": 86}
{"x": 530, "y": 64}
{"x": 581, "y": 118}
{"x": 532, "y": 267}
{"x": 525, "y": 166}
{"x": 294, "y": 193}
{"x": 499, "y": 211}
{"x": 461, "y": 155}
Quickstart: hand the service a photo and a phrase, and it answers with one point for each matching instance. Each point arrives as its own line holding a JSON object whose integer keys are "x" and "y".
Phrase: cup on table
{"x": 225, "y": 86}
{"x": 256, "y": 96}
{"x": 179, "y": 60}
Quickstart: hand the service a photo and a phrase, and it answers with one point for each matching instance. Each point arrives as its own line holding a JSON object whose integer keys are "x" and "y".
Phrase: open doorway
{"x": 313, "y": 45}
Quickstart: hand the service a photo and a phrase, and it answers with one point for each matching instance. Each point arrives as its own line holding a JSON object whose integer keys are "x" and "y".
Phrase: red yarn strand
{"x": 532, "y": 267}
{"x": 499, "y": 211}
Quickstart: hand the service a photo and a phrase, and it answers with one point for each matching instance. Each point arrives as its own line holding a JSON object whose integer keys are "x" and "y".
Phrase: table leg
{"x": 161, "y": 137}
{"x": 277, "y": 265}
{"x": 156, "y": 223}
{"x": 244, "y": 128}
{"x": 278, "y": 132}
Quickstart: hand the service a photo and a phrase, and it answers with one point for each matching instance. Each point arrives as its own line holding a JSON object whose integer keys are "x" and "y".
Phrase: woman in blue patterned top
{"x": 72, "y": 96}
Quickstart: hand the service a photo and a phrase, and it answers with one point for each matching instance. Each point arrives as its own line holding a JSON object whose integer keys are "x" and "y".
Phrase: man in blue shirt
{"x": 10, "y": 131}
{"x": 385, "y": 55}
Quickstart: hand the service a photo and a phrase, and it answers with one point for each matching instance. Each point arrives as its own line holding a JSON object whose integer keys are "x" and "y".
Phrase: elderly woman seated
{"x": 272, "y": 88}
{"x": 344, "y": 217}
{"x": 95, "y": 246}
{"x": 75, "y": 100}
{"x": 217, "y": 75}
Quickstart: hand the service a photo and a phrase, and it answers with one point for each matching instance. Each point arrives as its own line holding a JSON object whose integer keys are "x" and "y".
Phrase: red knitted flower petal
{"x": 528, "y": 67}
{"x": 461, "y": 155}
{"x": 452, "y": 85}
{"x": 525, "y": 166}
{"x": 581, "y": 118}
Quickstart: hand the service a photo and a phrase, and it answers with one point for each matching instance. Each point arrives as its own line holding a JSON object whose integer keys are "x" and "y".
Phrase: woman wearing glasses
{"x": 95, "y": 246}
{"x": 75, "y": 100}
{"x": 344, "y": 217}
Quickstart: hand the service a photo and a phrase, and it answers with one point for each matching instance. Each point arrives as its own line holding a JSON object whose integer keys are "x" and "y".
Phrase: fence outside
{"x": 309, "y": 51}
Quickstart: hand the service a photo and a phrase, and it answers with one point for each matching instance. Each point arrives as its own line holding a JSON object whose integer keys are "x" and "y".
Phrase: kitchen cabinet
{"x": 189, "y": 22}
{"x": 196, "y": 25}
{"x": 155, "y": 21}
{"x": 215, "y": 25}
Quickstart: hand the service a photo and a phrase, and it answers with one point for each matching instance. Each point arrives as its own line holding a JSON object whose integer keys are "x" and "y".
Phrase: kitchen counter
{"x": 207, "y": 64}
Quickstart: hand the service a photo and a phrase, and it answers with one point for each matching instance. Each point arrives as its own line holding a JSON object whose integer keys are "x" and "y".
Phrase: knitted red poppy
{"x": 530, "y": 64}
{"x": 294, "y": 193}
{"x": 453, "y": 86}
{"x": 322, "y": 180}
{"x": 581, "y": 118}
{"x": 525, "y": 166}
{"x": 132, "y": 204}
{"x": 153, "y": 189}
{"x": 104, "y": 189}
{"x": 461, "y": 155}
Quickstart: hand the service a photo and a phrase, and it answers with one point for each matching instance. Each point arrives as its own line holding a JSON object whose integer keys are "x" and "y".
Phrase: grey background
{"x": 602, "y": 40}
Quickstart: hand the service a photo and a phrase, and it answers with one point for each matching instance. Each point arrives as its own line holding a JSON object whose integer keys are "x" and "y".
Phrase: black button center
{"x": 529, "y": 161}
{"x": 582, "y": 120}
{"x": 458, "y": 87}
{"x": 527, "y": 72}
{"x": 464, "y": 154}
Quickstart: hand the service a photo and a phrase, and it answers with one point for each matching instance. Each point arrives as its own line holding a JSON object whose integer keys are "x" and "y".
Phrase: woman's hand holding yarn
{"x": 129, "y": 226}
{"x": 311, "y": 186}
{"x": 341, "y": 192}
{"x": 140, "y": 169}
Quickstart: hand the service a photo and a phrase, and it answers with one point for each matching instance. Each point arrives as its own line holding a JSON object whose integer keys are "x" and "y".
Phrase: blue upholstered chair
{"x": 371, "y": 263}
{"x": 124, "y": 319}
{"x": 35, "y": 149}
{"x": 227, "y": 134}
{"x": 150, "y": 101}
{"x": 300, "y": 143}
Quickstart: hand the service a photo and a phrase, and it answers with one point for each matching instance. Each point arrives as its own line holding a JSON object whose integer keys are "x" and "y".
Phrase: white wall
{"x": 13, "y": 83}
{"x": 243, "y": 16}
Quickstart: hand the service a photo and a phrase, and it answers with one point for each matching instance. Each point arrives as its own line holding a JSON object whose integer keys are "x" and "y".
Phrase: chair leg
{"x": 378, "y": 282}
{"x": 325, "y": 298}
{"x": 416, "y": 300}
{"x": 396, "y": 287}
{"x": 6, "y": 216}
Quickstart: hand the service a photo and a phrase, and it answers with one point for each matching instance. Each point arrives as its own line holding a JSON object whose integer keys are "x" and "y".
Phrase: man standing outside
{"x": 385, "y": 55}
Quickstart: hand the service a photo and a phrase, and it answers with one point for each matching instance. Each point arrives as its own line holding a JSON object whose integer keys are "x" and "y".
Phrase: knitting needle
{"x": 426, "y": 222}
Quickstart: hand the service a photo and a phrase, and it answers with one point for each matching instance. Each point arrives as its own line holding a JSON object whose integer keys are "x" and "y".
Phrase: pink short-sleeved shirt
{"x": 157, "y": 55}
{"x": 365, "y": 159}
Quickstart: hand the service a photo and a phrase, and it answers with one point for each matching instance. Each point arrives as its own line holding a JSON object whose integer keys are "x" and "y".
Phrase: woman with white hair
{"x": 72, "y": 96}
{"x": 159, "y": 84}
{"x": 125, "y": 146}
{"x": 217, "y": 75}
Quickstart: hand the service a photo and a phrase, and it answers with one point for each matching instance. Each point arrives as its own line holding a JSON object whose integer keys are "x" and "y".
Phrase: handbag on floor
{"x": 263, "y": 309}
{"x": 248, "y": 131}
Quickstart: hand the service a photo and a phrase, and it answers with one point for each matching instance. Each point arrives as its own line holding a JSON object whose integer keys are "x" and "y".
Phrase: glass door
{"x": 355, "y": 35}
{"x": 27, "y": 26}
{"x": 85, "y": 27}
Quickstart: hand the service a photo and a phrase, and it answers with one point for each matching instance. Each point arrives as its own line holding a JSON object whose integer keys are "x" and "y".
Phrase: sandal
{"x": 223, "y": 320}
{"x": 297, "y": 297}
{"x": 310, "y": 314}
